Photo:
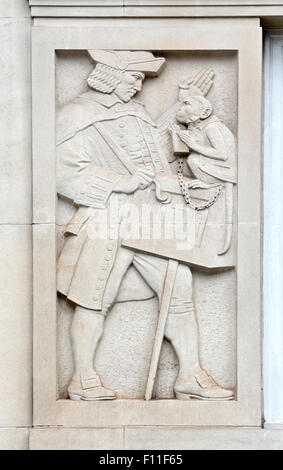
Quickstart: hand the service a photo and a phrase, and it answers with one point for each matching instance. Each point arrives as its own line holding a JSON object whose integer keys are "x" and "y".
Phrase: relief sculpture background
{"x": 147, "y": 211}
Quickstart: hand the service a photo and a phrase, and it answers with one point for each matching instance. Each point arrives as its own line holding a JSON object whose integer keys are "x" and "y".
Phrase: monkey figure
{"x": 211, "y": 147}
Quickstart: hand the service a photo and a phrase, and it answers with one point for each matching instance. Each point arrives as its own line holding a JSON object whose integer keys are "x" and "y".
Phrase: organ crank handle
{"x": 164, "y": 198}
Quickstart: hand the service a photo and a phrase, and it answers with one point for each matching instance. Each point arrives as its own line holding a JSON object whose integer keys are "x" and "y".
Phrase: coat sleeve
{"x": 78, "y": 178}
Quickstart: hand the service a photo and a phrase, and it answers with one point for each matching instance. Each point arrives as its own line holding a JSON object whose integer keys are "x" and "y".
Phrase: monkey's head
{"x": 194, "y": 108}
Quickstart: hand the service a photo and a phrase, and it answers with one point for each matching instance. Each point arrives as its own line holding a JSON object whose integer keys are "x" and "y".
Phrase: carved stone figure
{"x": 211, "y": 149}
{"x": 109, "y": 149}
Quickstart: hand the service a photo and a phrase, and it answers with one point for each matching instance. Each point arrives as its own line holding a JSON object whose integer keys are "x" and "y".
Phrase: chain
{"x": 186, "y": 194}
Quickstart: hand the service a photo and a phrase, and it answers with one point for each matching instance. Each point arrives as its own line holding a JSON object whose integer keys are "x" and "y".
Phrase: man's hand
{"x": 142, "y": 178}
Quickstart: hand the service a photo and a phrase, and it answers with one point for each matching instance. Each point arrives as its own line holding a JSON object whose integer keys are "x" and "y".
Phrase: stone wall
{"x": 53, "y": 427}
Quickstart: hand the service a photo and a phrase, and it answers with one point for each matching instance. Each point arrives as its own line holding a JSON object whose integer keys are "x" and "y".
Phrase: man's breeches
{"x": 153, "y": 269}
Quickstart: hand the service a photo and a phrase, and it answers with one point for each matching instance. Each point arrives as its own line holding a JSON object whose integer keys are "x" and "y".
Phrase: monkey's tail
{"x": 228, "y": 218}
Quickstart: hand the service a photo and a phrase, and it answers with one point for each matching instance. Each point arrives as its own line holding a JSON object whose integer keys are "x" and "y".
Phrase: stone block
{"x": 14, "y": 439}
{"x": 76, "y": 439}
{"x": 14, "y": 9}
{"x": 16, "y": 326}
{"x": 202, "y": 439}
{"x": 15, "y": 121}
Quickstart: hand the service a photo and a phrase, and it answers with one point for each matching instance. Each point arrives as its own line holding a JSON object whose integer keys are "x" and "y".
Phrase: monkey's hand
{"x": 198, "y": 184}
{"x": 189, "y": 140}
{"x": 174, "y": 129}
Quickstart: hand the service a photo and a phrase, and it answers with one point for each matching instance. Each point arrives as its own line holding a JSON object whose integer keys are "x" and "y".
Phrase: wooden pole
{"x": 163, "y": 314}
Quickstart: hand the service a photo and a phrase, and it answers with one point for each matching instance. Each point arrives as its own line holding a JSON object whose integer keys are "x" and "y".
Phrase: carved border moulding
{"x": 151, "y": 8}
{"x": 245, "y": 408}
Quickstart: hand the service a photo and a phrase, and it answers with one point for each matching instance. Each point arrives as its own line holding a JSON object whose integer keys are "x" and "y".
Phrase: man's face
{"x": 190, "y": 111}
{"x": 130, "y": 84}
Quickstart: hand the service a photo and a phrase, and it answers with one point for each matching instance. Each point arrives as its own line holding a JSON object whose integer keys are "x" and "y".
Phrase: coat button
{"x": 95, "y": 299}
{"x": 110, "y": 248}
{"x": 122, "y": 125}
{"x": 108, "y": 258}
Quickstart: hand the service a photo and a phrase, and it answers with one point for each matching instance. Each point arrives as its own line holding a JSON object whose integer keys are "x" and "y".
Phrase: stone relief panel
{"x": 146, "y": 178}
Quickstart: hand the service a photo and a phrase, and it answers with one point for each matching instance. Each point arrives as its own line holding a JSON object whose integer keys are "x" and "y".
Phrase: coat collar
{"x": 107, "y": 100}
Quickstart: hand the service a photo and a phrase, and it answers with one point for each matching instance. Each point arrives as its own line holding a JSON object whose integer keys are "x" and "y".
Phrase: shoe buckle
{"x": 90, "y": 382}
{"x": 205, "y": 381}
